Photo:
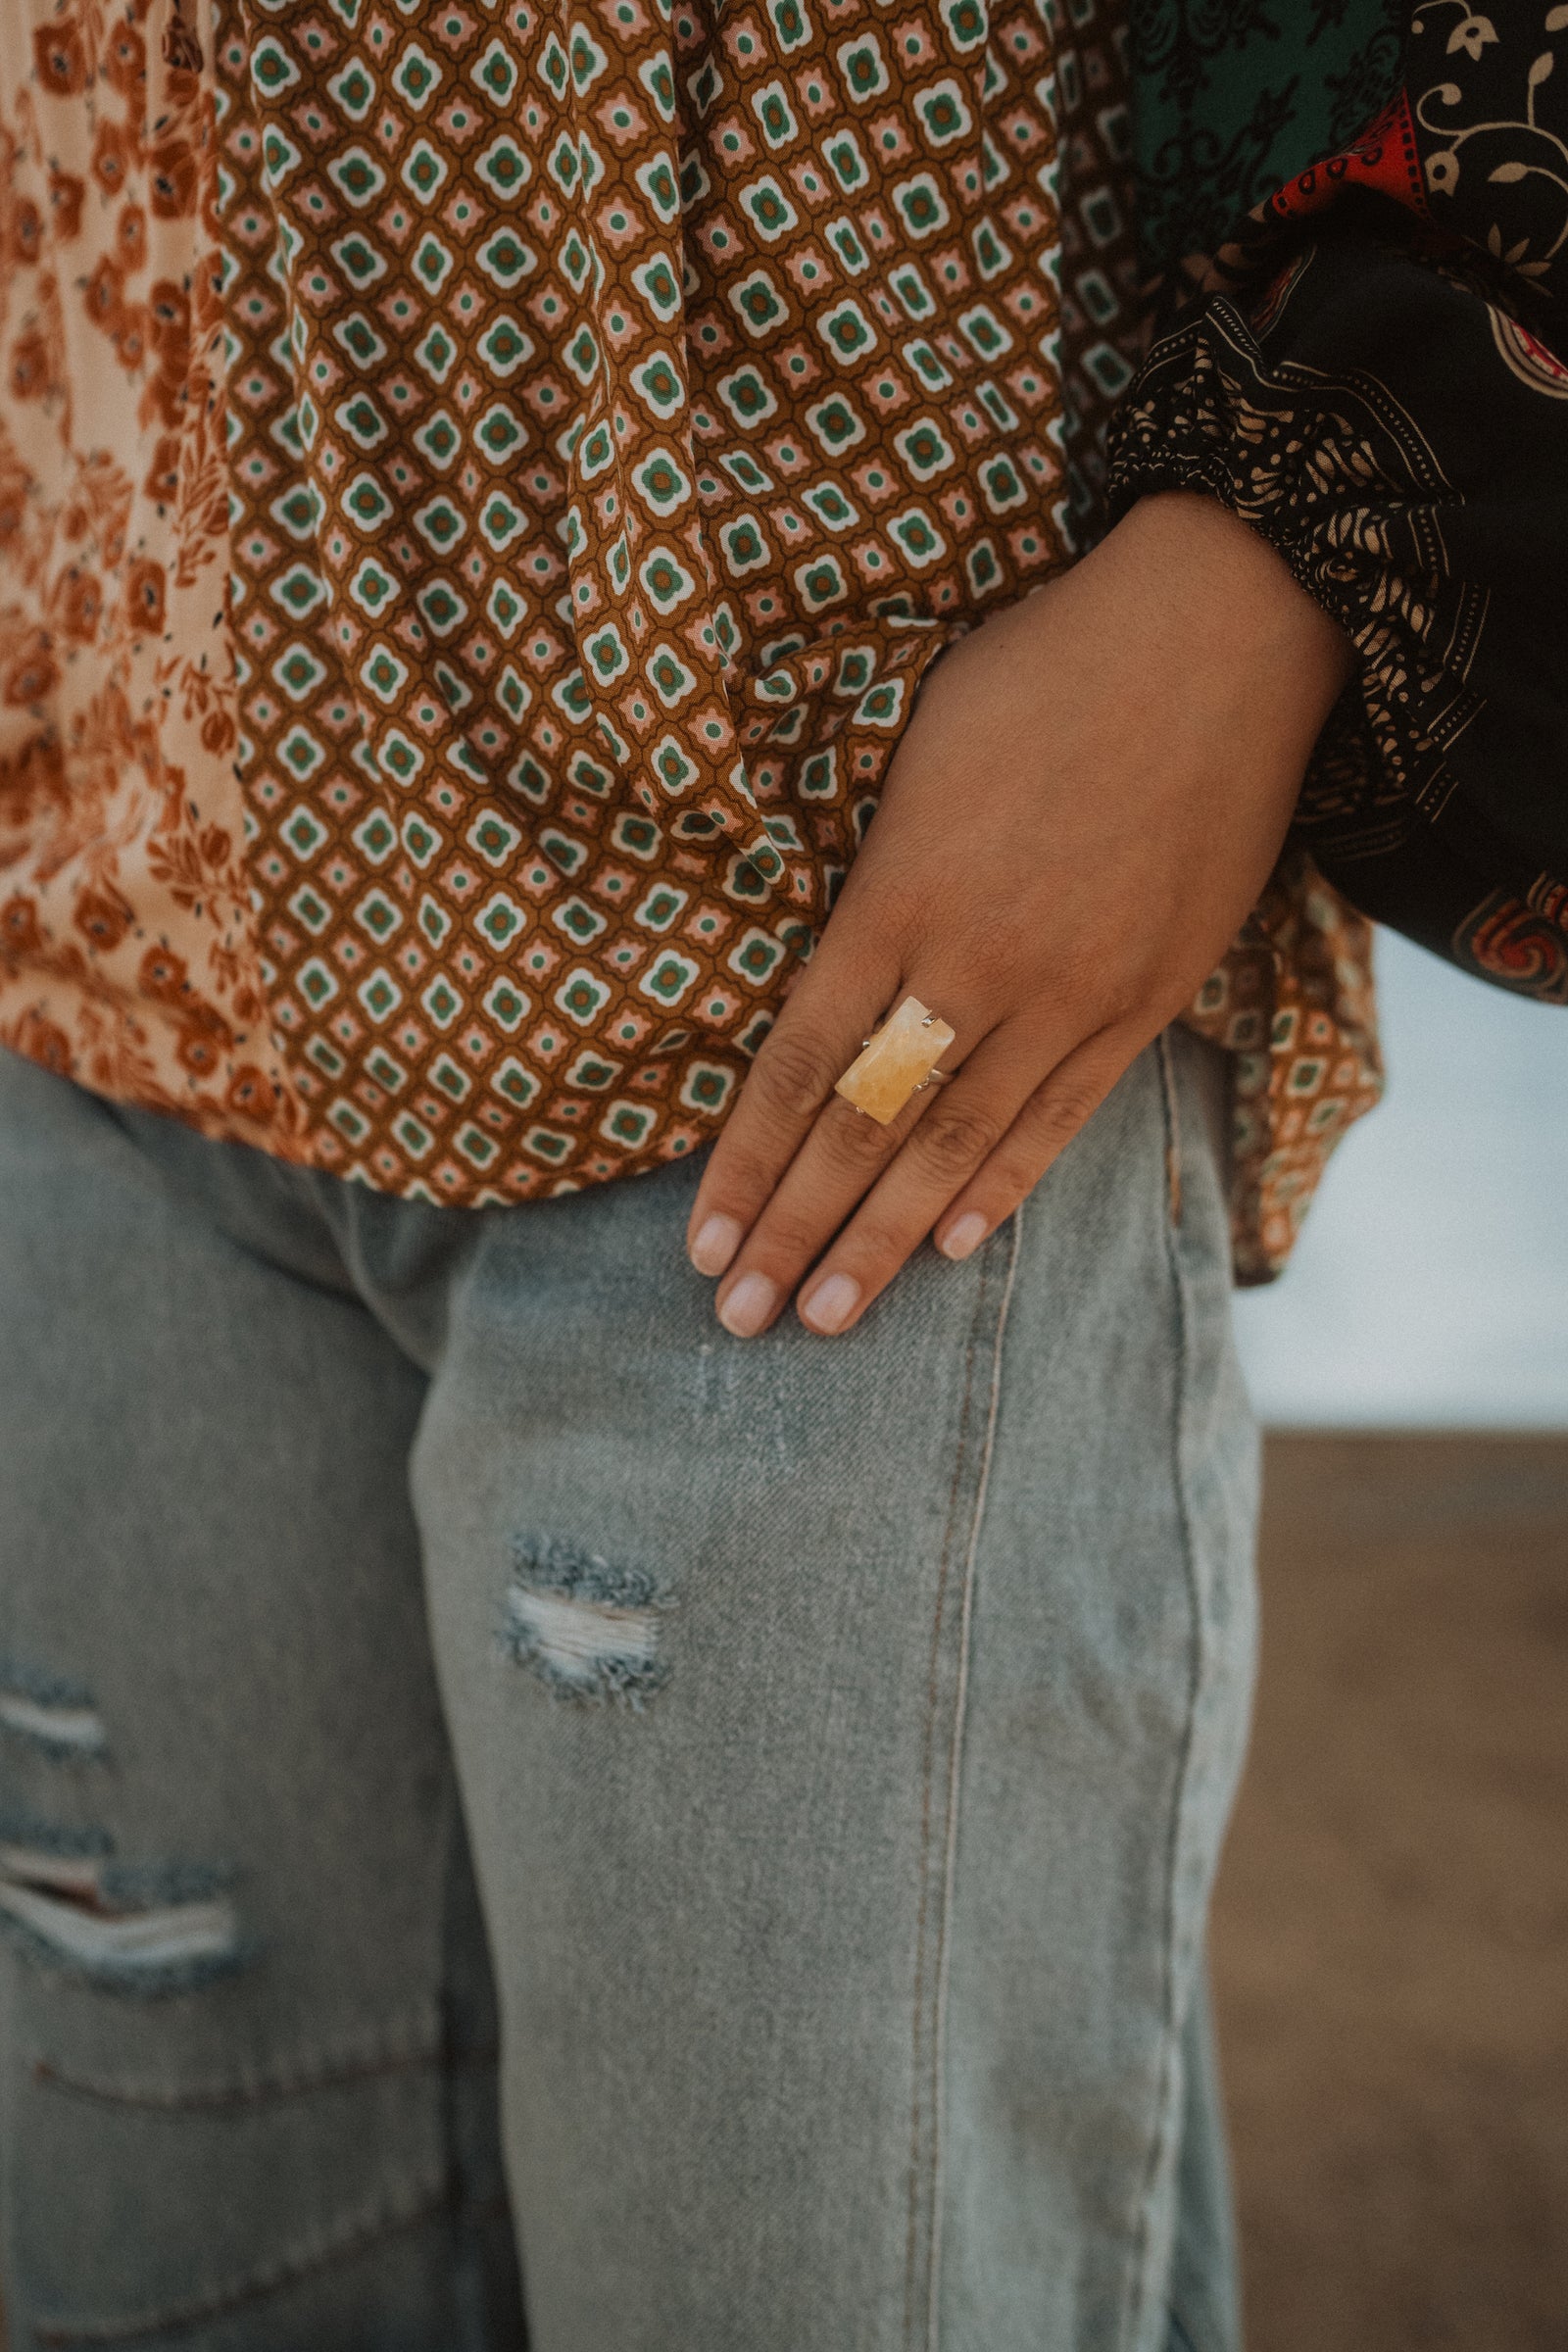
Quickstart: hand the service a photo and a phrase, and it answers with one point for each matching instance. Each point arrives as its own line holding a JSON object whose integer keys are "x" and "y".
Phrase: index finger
{"x": 836, "y": 1002}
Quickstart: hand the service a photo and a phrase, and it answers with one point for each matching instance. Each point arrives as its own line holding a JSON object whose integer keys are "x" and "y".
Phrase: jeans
{"x": 513, "y": 1800}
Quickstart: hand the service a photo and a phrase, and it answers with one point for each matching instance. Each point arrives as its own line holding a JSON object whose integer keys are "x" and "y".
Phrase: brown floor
{"x": 1392, "y": 1930}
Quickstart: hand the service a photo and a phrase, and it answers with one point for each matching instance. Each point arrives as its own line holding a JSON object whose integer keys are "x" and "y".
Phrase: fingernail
{"x": 829, "y": 1306}
{"x": 714, "y": 1244}
{"x": 749, "y": 1306}
{"x": 965, "y": 1238}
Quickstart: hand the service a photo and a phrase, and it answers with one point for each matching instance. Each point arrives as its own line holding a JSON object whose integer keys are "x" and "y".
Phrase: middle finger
{"x": 840, "y": 1159}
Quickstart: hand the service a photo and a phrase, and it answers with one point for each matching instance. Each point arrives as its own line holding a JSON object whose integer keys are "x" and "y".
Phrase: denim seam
{"x": 465, "y": 2216}
{"x": 1136, "y": 2296}
{"x": 923, "y": 2117}
{"x": 170, "y": 1183}
{"x": 1173, "y": 1129}
{"x": 912, "y": 2239}
{"x": 414, "y": 2044}
{"x": 955, "y": 1776}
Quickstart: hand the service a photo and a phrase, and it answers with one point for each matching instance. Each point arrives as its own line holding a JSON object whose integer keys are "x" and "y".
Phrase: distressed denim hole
{"x": 67, "y": 1906}
{"x": 586, "y": 1629}
{"x": 48, "y": 1714}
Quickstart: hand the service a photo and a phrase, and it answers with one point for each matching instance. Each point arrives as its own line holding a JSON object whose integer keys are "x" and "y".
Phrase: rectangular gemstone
{"x": 901, "y": 1056}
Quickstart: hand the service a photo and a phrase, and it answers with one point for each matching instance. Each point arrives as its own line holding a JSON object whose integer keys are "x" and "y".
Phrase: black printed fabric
{"x": 1372, "y": 373}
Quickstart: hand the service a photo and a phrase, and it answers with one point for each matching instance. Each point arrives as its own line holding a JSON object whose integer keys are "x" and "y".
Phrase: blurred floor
{"x": 1392, "y": 1930}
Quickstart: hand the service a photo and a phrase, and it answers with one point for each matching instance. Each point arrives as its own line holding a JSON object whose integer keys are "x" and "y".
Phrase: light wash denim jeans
{"x": 843, "y": 1733}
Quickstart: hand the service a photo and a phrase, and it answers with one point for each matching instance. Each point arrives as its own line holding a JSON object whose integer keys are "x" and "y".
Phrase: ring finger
{"x": 979, "y": 1174}
{"x": 948, "y": 1128}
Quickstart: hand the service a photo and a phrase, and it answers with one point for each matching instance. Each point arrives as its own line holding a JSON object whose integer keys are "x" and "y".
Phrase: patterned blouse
{"x": 480, "y": 486}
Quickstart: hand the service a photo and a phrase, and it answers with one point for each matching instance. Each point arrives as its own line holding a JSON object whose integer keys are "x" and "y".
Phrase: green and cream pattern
{"x": 626, "y": 406}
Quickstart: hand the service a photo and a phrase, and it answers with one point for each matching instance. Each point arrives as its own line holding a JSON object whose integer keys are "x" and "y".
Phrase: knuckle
{"x": 1063, "y": 1111}
{"x": 1089, "y": 980}
{"x": 996, "y": 959}
{"x": 786, "y": 1240}
{"x": 904, "y": 905}
{"x": 1009, "y": 1177}
{"x": 880, "y": 1249}
{"x": 739, "y": 1176}
{"x": 950, "y": 1141}
{"x": 792, "y": 1075}
{"x": 854, "y": 1141}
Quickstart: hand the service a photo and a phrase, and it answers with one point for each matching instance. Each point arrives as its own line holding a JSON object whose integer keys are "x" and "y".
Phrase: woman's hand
{"x": 1089, "y": 797}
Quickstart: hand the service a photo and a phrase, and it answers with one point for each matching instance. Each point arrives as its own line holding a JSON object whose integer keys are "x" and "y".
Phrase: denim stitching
{"x": 960, "y": 1704}
{"x": 1173, "y": 1130}
{"x": 928, "y": 1766}
{"x": 923, "y": 2117}
{"x": 1137, "y": 2291}
{"x": 411, "y": 2044}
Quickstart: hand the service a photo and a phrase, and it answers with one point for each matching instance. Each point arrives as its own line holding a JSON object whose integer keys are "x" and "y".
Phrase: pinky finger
{"x": 1053, "y": 1114}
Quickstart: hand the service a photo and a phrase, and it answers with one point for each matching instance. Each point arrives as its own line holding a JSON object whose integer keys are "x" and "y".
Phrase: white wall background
{"x": 1430, "y": 1287}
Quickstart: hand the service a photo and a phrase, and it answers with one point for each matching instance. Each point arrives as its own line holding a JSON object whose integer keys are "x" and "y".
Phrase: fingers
{"x": 802, "y": 1194}
{"x": 962, "y": 1173}
{"x": 1055, "y": 1113}
{"x": 841, "y": 1161}
{"x": 913, "y": 1167}
{"x": 836, "y": 1002}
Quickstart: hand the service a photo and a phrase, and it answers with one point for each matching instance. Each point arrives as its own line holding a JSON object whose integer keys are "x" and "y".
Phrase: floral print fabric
{"x": 1233, "y": 99}
{"x": 1381, "y": 389}
{"x": 129, "y": 955}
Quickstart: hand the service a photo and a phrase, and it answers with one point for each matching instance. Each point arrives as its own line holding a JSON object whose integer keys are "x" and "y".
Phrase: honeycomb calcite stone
{"x": 901, "y": 1056}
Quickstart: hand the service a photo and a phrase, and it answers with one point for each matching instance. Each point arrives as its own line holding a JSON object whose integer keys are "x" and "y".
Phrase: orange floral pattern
{"x": 127, "y": 948}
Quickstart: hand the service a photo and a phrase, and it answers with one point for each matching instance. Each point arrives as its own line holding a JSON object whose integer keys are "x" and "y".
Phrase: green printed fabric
{"x": 1231, "y": 98}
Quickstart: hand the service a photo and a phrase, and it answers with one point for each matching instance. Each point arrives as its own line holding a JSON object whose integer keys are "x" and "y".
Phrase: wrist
{"x": 1234, "y": 599}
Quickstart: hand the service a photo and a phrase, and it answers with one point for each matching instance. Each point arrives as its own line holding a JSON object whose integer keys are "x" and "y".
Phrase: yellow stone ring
{"x": 899, "y": 1059}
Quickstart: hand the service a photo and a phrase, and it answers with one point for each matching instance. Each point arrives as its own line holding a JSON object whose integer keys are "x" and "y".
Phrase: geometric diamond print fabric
{"x": 602, "y": 422}
{"x": 624, "y": 406}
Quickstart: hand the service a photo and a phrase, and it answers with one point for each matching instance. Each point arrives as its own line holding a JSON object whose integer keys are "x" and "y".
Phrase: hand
{"x": 1088, "y": 798}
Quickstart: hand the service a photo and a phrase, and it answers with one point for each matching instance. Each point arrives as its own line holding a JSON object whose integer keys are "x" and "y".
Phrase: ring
{"x": 896, "y": 1061}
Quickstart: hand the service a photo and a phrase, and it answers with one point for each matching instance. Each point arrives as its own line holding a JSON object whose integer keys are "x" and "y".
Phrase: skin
{"x": 1127, "y": 745}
